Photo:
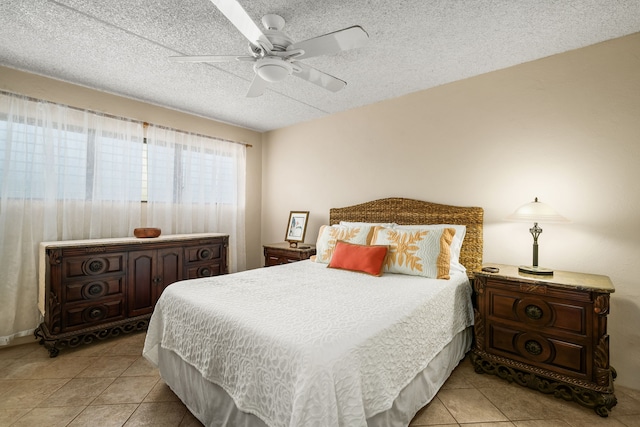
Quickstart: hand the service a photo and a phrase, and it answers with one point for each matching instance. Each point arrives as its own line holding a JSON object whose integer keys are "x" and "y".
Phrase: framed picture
{"x": 296, "y": 227}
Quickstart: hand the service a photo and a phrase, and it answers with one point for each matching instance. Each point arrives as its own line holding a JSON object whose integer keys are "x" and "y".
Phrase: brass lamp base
{"x": 541, "y": 271}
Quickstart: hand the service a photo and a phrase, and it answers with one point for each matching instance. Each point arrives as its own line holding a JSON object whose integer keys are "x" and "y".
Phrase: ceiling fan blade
{"x": 243, "y": 22}
{"x": 319, "y": 78}
{"x": 349, "y": 38}
{"x": 211, "y": 58}
{"x": 258, "y": 85}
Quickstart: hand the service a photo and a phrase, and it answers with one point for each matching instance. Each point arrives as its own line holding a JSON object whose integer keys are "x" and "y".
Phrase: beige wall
{"x": 81, "y": 97}
{"x": 564, "y": 129}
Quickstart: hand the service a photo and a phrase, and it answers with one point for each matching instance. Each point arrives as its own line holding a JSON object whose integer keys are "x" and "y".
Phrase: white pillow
{"x": 456, "y": 244}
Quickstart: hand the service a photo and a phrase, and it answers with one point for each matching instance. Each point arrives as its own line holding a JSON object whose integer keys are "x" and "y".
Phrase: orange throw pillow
{"x": 360, "y": 258}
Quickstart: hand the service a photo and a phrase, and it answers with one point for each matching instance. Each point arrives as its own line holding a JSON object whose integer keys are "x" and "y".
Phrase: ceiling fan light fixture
{"x": 272, "y": 69}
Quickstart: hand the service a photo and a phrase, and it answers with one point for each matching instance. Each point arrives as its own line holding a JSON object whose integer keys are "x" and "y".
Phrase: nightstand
{"x": 548, "y": 333}
{"x": 282, "y": 253}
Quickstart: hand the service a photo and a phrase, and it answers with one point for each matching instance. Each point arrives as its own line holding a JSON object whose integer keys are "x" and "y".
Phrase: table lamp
{"x": 536, "y": 212}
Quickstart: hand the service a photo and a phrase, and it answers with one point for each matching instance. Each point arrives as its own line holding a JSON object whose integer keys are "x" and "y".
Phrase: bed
{"x": 307, "y": 345}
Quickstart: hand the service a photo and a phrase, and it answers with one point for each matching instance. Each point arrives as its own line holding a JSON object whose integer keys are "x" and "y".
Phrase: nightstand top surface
{"x": 567, "y": 279}
{"x": 286, "y": 245}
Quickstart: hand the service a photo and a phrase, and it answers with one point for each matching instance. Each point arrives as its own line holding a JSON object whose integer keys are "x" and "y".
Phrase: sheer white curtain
{"x": 64, "y": 174}
{"x": 197, "y": 184}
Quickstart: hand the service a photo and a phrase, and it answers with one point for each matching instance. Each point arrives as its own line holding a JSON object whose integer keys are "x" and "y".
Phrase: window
{"x": 191, "y": 170}
{"x": 24, "y": 161}
{"x": 67, "y": 162}
{"x": 212, "y": 174}
{"x": 97, "y": 165}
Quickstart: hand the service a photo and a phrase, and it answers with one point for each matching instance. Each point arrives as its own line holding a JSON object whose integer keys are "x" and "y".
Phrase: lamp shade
{"x": 536, "y": 212}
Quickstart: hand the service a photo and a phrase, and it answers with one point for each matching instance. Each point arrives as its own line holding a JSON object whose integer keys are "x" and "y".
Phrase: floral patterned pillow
{"x": 328, "y": 236}
{"x": 456, "y": 244}
{"x": 417, "y": 252}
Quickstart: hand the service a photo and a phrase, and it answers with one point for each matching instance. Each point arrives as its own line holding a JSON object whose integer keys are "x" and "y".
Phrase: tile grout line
{"x": 494, "y": 405}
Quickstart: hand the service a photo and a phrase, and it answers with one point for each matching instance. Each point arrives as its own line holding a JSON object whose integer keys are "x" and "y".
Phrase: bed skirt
{"x": 210, "y": 404}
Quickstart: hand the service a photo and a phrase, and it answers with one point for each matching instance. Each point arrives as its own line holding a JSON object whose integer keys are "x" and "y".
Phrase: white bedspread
{"x": 305, "y": 345}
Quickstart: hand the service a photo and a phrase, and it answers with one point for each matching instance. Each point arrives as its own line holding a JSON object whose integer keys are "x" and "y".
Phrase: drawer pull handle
{"x": 95, "y": 290}
{"x": 92, "y": 314}
{"x": 204, "y": 254}
{"x": 533, "y": 347}
{"x": 205, "y": 272}
{"x": 94, "y": 266}
{"x": 533, "y": 312}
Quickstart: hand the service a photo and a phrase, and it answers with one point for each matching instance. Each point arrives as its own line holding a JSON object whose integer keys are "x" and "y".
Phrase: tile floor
{"x": 108, "y": 383}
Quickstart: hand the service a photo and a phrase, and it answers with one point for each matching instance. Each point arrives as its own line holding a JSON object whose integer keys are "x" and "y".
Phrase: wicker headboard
{"x": 414, "y": 212}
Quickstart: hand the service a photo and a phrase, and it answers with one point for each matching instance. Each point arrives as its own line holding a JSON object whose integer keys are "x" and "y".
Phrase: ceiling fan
{"x": 275, "y": 55}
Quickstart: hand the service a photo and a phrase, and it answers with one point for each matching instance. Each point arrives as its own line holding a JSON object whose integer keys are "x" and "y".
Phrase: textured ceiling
{"x": 121, "y": 47}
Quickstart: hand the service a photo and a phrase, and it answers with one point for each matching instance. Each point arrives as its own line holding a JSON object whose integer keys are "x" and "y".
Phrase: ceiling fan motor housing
{"x": 272, "y": 69}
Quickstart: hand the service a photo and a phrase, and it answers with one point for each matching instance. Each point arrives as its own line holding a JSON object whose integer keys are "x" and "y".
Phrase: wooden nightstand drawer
{"x": 554, "y": 315}
{"x": 282, "y": 253}
{"x": 538, "y": 350}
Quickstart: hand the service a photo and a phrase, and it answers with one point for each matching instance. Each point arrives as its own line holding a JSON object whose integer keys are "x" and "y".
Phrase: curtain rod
{"x": 144, "y": 124}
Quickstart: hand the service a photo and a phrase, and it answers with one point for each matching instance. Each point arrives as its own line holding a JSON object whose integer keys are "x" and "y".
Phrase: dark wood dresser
{"x": 282, "y": 253}
{"x": 95, "y": 289}
{"x": 548, "y": 333}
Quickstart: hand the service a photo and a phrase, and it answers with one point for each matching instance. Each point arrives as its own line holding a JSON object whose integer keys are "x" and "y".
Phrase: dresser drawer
{"x": 203, "y": 253}
{"x": 94, "y": 289}
{"x": 205, "y": 260}
{"x": 93, "y": 266}
{"x": 206, "y": 270}
{"x": 81, "y": 316}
